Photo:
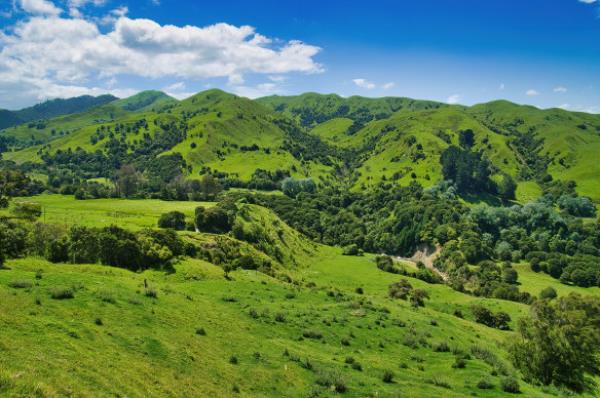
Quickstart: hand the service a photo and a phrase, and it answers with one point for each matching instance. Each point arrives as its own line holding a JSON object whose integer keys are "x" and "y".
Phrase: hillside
{"x": 52, "y": 108}
{"x": 356, "y": 141}
{"x": 326, "y": 328}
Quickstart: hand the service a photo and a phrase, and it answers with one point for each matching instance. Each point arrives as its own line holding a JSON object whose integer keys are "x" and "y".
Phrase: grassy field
{"x": 126, "y": 213}
{"x": 206, "y": 336}
{"x": 326, "y": 323}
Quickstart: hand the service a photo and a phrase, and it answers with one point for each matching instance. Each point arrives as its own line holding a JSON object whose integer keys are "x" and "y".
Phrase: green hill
{"x": 324, "y": 136}
{"x": 53, "y": 108}
{"x": 145, "y": 100}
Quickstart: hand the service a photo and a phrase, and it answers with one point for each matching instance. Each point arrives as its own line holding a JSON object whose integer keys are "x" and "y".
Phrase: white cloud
{"x": 454, "y": 99}
{"x": 532, "y": 93}
{"x": 64, "y": 54}
{"x": 565, "y": 106}
{"x": 39, "y": 7}
{"x": 363, "y": 83}
{"x": 176, "y": 87}
{"x": 260, "y": 90}
{"x": 501, "y": 87}
{"x": 588, "y": 1}
{"x": 388, "y": 85}
{"x": 560, "y": 89}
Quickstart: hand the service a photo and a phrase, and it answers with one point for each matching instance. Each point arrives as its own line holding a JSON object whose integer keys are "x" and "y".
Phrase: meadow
{"x": 325, "y": 327}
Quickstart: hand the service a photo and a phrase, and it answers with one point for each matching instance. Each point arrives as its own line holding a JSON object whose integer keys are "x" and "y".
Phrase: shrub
{"x": 39, "y": 274}
{"x": 332, "y": 380}
{"x": 151, "y": 292}
{"x": 442, "y": 347}
{"x": 349, "y": 360}
{"x": 548, "y": 293}
{"x": 459, "y": 363}
{"x": 437, "y": 381}
{"x": 200, "y": 332}
{"x": 280, "y": 317}
{"x": 106, "y": 296}
{"x": 357, "y": 366}
{"x": 98, "y": 321}
{"x": 173, "y": 219}
{"x": 484, "y": 384}
{"x": 352, "y": 250}
{"x": 511, "y": 385}
{"x": 61, "y": 293}
{"x": 233, "y": 360}
{"x": 312, "y": 334}
{"x": 388, "y": 376}
{"x": 20, "y": 284}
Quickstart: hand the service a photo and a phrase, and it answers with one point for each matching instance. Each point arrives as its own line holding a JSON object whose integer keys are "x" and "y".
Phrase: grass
{"x": 140, "y": 335}
{"x": 126, "y": 213}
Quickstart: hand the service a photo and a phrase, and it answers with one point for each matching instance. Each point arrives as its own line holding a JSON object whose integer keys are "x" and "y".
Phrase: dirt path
{"x": 427, "y": 255}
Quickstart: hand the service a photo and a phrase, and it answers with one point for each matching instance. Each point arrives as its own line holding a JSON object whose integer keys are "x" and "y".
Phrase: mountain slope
{"x": 313, "y": 108}
{"x": 53, "y": 108}
{"x": 145, "y": 100}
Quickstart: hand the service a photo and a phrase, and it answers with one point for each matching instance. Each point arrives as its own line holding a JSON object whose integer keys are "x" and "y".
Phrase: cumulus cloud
{"x": 532, "y": 93}
{"x": 368, "y": 85}
{"x": 39, "y": 7}
{"x": 47, "y": 52}
{"x": 560, "y": 89}
{"x": 453, "y": 99}
{"x": 363, "y": 83}
{"x": 588, "y": 1}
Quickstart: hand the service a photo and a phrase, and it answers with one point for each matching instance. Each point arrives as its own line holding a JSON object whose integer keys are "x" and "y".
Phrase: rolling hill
{"x": 53, "y": 108}
{"x": 316, "y": 135}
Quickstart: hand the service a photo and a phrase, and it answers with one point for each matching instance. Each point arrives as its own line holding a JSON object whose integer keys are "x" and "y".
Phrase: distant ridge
{"x": 53, "y": 108}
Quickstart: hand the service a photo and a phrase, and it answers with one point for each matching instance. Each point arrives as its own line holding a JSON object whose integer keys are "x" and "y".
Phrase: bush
{"x": 312, "y": 334}
{"x": 352, "y": 250}
{"x": 484, "y": 384}
{"x": 459, "y": 363}
{"x": 200, "y": 332}
{"x": 388, "y": 376}
{"x": 511, "y": 385}
{"x": 442, "y": 347}
{"x": 173, "y": 219}
{"x": 548, "y": 293}
{"x": 233, "y": 360}
{"x": 151, "y": 292}
{"x": 61, "y": 293}
{"x": 332, "y": 380}
{"x": 20, "y": 284}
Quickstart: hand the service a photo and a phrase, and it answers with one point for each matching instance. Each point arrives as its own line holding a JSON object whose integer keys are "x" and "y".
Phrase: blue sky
{"x": 540, "y": 52}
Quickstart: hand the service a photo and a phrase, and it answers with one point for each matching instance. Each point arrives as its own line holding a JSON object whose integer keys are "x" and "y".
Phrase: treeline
{"x": 112, "y": 245}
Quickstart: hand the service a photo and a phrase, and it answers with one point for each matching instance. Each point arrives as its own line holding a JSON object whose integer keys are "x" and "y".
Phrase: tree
{"x": 172, "y": 219}
{"x": 210, "y": 186}
{"x": 128, "y": 180}
{"x": 560, "y": 342}
{"x": 510, "y": 275}
{"x": 507, "y": 187}
{"x": 27, "y": 210}
{"x": 214, "y": 220}
{"x": 292, "y": 186}
{"x": 466, "y": 138}
{"x": 417, "y": 297}
{"x": 548, "y": 293}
